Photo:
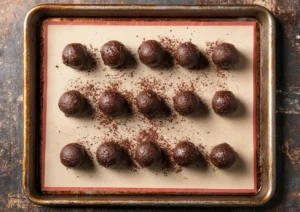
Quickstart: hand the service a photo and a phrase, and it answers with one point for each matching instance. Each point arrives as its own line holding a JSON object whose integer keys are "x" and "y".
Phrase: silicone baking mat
{"x": 204, "y": 131}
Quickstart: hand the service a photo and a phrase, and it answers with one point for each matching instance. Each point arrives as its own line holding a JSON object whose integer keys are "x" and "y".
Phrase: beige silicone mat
{"x": 205, "y": 131}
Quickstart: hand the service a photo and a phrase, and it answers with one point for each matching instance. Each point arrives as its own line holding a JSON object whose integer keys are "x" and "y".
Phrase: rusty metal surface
{"x": 287, "y": 193}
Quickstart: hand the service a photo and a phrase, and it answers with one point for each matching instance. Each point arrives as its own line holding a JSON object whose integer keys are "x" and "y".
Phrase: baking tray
{"x": 265, "y": 103}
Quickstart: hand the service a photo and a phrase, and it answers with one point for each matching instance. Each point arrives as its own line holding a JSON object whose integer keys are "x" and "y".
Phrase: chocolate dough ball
{"x": 72, "y": 155}
{"x": 113, "y": 54}
{"x": 185, "y": 153}
{"x": 72, "y": 103}
{"x": 112, "y": 103}
{"x": 151, "y": 53}
{"x": 224, "y": 103}
{"x": 75, "y": 56}
{"x": 147, "y": 154}
{"x": 186, "y": 102}
{"x": 187, "y": 55}
{"x": 149, "y": 103}
{"x": 225, "y": 55}
{"x": 109, "y": 154}
{"x": 223, "y": 155}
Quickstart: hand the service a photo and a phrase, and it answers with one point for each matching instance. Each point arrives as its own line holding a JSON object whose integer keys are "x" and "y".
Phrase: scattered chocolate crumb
{"x": 169, "y": 44}
{"x": 184, "y": 86}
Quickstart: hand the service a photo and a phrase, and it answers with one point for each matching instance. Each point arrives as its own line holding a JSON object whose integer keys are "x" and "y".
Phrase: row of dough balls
{"x": 146, "y": 154}
{"x": 150, "y": 104}
{"x": 152, "y": 54}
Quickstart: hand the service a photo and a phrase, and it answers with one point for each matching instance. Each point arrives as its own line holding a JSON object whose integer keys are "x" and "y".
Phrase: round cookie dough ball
{"x": 113, "y": 54}
{"x": 186, "y": 102}
{"x": 72, "y": 103}
{"x": 151, "y": 53}
{"x": 224, "y": 103}
{"x": 149, "y": 103}
{"x": 187, "y": 55}
{"x": 75, "y": 56}
{"x": 147, "y": 154}
{"x": 72, "y": 155}
{"x": 225, "y": 55}
{"x": 112, "y": 103}
{"x": 109, "y": 154}
{"x": 185, "y": 153}
{"x": 223, "y": 156}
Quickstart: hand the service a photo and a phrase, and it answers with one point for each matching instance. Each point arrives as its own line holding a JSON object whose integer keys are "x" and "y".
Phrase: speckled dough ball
{"x": 187, "y": 55}
{"x": 112, "y": 103}
{"x": 75, "y": 56}
{"x": 109, "y": 154}
{"x": 147, "y": 154}
{"x": 185, "y": 153}
{"x": 72, "y": 155}
{"x": 224, "y": 103}
{"x": 223, "y": 156}
{"x": 225, "y": 55}
{"x": 72, "y": 103}
{"x": 151, "y": 53}
{"x": 186, "y": 102}
{"x": 113, "y": 54}
{"x": 149, "y": 103}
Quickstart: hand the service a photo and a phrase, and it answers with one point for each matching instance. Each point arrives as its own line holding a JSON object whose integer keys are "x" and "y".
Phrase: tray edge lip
{"x": 38, "y": 199}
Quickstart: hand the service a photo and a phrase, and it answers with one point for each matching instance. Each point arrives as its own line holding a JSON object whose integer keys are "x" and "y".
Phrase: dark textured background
{"x": 287, "y": 13}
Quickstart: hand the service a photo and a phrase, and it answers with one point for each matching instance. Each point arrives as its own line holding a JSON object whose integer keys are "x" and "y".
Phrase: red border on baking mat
{"x": 147, "y": 23}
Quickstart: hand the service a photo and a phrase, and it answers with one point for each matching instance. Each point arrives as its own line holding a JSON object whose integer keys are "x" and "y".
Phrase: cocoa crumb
{"x": 170, "y": 44}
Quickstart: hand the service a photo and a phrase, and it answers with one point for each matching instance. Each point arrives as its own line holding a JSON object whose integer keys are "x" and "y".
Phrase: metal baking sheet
{"x": 203, "y": 198}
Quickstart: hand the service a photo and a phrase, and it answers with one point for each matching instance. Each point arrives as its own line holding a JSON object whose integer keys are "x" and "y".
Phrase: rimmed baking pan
{"x": 35, "y": 79}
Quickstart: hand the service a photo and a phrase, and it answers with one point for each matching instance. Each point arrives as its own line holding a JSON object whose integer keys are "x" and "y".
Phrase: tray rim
{"x": 30, "y": 188}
